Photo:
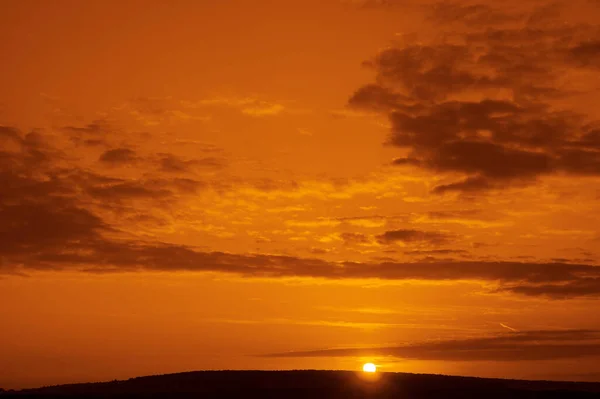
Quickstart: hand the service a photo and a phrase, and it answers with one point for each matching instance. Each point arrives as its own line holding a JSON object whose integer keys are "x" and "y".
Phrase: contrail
{"x": 509, "y": 328}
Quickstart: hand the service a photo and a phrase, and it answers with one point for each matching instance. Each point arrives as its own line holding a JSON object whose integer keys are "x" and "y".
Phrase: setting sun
{"x": 369, "y": 368}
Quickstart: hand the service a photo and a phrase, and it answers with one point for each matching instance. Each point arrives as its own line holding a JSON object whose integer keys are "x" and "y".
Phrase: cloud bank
{"x": 49, "y": 224}
{"x": 486, "y": 100}
{"x": 512, "y": 347}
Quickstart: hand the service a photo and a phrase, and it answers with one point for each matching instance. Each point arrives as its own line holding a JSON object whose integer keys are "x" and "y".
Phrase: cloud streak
{"x": 412, "y": 236}
{"x": 513, "y": 347}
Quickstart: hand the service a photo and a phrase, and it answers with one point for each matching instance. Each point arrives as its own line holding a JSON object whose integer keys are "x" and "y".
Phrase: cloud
{"x": 37, "y": 209}
{"x": 167, "y": 162}
{"x": 31, "y": 227}
{"x": 93, "y": 134}
{"x": 458, "y": 215}
{"x": 512, "y": 347}
{"x": 154, "y": 111}
{"x": 438, "y": 252}
{"x": 171, "y": 163}
{"x": 47, "y": 198}
{"x": 369, "y": 3}
{"x": 83, "y": 244}
{"x": 118, "y": 156}
{"x": 54, "y": 218}
{"x": 28, "y": 151}
{"x": 129, "y": 190}
{"x": 96, "y": 127}
{"x": 587, "y": 54}
{"x": 409, "y": 236}
{"x": 57, "y": 234}
{"x": 10, "y": 133}
{"x": 589, "y": 286}
{"x": 473, "y": 14}
{"x": 354, "y": 238}
{"x": 246, "y": 105}
{"x": 319, "y": 323}
{"x": 488, "y": 103}
{"x": 261, "y": 109}
{"x": 370, "y": 221}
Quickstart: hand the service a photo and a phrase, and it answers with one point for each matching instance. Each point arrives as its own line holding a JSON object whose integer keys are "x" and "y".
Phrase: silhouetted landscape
{"x": 315, "y": 384}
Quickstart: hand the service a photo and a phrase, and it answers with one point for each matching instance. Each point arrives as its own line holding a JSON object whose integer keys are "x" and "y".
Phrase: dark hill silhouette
{"x": 315, "y": 384}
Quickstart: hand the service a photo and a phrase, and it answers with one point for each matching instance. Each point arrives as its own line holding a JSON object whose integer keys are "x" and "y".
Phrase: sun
{"x": 369, "y": 368}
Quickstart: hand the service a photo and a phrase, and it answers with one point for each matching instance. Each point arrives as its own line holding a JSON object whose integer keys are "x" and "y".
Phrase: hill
{"x": 314, "y": 384}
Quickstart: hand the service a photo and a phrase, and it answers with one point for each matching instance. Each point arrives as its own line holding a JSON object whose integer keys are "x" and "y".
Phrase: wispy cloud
{"x": 246, "y": 105}
{"x": 514, "y": 347}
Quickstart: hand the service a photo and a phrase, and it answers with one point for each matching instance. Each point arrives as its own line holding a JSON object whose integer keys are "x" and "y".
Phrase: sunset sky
{"x": 255, "y": 184}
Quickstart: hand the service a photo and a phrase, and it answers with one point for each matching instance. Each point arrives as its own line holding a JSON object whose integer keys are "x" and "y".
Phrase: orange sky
{"x": 263, "y": 184}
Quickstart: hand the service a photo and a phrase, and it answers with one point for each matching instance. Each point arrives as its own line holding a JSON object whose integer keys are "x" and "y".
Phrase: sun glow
{"x": 369, "y": 368}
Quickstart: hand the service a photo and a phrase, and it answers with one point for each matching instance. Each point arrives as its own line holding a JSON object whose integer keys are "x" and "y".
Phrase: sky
{"x": 255, "y": 184}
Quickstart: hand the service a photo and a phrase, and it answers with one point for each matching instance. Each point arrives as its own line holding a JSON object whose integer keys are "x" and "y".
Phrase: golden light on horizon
{"x": 369, "y": 368}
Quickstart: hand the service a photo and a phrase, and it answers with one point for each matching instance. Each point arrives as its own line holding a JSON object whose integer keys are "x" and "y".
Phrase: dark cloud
{"x": 173, "y": 164}
{"x": 82, "y": 245}
{"x": 118, "y": 156}
{"x": 512, "y": 347}
{"x": 407, "y": 235}
{"x": 437, "y": 252}
{"x": 44, "y": 206}
{"x": 53, "y": 219}
{"x": 470, "y": 184}
{"x": 354, "y": 238}
{"x": 45, "y": 229}
{"x": 9, "y": 133}
{"x": 378, "y": 98}
{"x": 167, "y": 162}
{"x": 406, "y": 161}
{"x": 28, "y": 151}
{"x": 456, "y": 214}
{"x": 97, "y": 127}
{"x": 589, "y": 286}
{"x": 508, "y": 132}
{"x": 91, "y": 135}
{"x": 37, "y": 207}
{"x": 587, "y": 54}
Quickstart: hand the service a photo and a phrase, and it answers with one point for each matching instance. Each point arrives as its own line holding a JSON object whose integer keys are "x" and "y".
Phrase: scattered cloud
{"x": 355, "y": 238}
{"x": 97, "y": 127}
{"x": 438, "y": 252}
{"x": 488, "y": 106}
{"x": 410, "y": 236}
{"x": 171, "y": 163}
{"x": 246, "y": 105}
{"x": 48, "y": 224}
{"x": 154, "y": 111}
{"x": 118, "y": 156}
